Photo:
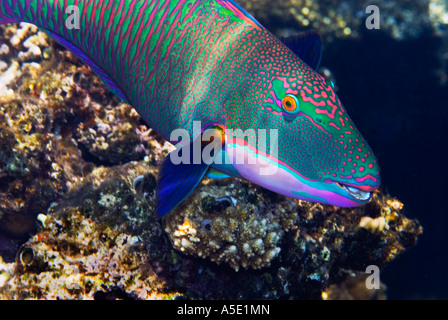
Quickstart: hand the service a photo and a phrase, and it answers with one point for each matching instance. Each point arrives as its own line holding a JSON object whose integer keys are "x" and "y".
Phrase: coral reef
{"x": 232, "y": 223}
{"x": 92, "y": 242}
{"x": 438, "y": 14}
{"x": 103, "y": 237}
{"x": 353, "y": 287}
{"x": 56, "y": 119}
{"x": 32, "y": 157}
{"x": 341, "y": 19}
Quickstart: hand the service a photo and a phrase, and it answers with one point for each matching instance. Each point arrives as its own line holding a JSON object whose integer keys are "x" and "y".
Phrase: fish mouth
{"x": 356, "y": 193}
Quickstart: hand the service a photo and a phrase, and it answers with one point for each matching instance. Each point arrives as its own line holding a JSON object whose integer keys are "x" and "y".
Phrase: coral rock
{"x": 240, "y": 233}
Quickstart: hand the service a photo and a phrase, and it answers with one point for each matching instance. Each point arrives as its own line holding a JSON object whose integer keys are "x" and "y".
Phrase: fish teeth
{"x": 353, "y": 190}
{"x": 357, "y": 193}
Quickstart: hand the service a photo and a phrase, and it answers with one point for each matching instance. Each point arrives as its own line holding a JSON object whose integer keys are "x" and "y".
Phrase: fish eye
{"x": 290, "y": 104}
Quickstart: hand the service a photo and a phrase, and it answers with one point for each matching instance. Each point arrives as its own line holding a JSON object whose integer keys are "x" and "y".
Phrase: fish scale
{"x": 182, "y": 61}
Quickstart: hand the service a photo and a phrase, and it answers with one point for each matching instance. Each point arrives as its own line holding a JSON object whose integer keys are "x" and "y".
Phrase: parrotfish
{"x": 211, "y": 69}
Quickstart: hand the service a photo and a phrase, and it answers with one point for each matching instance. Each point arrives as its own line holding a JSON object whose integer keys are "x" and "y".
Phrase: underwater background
{"x": 78, "y": 168}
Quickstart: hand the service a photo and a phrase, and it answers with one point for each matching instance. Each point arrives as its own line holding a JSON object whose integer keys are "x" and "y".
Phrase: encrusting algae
{"x": 78, "y": 168}
{"x": 232, "y": 223}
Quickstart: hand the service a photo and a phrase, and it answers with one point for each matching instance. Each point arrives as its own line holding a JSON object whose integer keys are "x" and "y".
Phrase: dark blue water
{"x": 393, "y": 92}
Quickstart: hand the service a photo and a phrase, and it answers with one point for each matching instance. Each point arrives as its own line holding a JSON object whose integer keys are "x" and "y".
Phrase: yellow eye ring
{"x": 290, "y": 104}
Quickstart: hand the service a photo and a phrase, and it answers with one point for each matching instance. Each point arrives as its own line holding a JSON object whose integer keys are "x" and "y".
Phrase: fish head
{"x": 304, "y": 144}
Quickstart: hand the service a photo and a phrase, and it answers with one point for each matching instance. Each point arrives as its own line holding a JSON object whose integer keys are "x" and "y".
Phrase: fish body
{"x": 179, "y": 63}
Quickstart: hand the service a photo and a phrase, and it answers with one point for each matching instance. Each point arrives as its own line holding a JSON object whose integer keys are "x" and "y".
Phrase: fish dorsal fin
{"x": 307, "y": 47}
{"x": 110, "y": 84}
{"x": 238, "y": 11}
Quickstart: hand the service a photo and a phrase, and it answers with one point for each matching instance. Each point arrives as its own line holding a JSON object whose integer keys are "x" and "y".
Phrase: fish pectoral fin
{"x": 306, "y": 46}
{"x": 215, "y": 174}
{"x": 176, "y": 182}
{"x": 180, "y": 173}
